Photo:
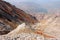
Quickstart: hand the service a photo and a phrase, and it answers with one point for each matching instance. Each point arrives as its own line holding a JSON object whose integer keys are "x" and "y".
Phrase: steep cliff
{"x": 10, "y": 17}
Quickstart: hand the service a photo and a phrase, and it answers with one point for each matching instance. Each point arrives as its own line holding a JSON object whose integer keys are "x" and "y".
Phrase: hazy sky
{"x": 32, "y": 1}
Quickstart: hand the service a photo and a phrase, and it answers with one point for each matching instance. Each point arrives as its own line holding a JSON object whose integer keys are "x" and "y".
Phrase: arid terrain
{"x": 15, "y": 24}
{"x": 49, "y": 25}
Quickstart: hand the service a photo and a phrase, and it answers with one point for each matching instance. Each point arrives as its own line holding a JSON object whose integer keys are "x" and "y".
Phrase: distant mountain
{"x": 31, "y": 7}
{"x": 38, "y": 6}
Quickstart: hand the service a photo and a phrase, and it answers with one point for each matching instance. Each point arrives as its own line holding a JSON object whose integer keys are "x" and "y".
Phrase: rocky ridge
{"x": 11, "y": 16}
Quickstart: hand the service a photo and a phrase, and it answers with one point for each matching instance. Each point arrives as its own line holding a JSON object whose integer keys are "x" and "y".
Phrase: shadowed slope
{"x": 10, "y": 17}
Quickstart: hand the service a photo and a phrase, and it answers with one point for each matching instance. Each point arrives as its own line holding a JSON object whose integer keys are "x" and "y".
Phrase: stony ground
{"x": 26, "y": 36}
{"x": 49, "y": 25}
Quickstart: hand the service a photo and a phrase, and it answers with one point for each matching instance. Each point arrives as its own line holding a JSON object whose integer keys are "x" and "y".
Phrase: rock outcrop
{"x": 10, "y": 17}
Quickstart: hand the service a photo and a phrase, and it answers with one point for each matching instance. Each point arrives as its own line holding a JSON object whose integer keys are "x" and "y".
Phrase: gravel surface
{"x": 23, "y": 36}
{"x": 27, "y": 36}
